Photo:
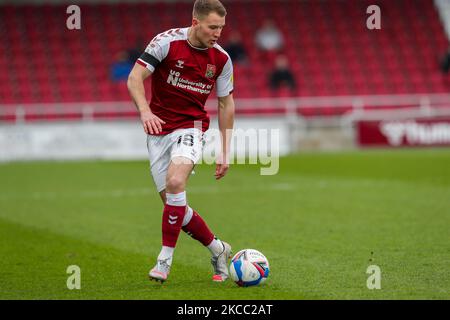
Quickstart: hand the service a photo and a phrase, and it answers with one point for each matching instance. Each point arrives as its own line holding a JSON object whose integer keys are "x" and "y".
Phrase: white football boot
{"x": 220, "y": 263}
{"x": 161, "y": 271}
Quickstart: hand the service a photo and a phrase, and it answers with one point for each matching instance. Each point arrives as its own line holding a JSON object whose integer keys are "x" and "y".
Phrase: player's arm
{"x": 151, "y": 123}
{"x": 226, "y": 122}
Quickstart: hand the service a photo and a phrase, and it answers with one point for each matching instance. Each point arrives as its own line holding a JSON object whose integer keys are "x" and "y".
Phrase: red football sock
{"x": 171, "y": 224}
{"x": 198, "y": 229}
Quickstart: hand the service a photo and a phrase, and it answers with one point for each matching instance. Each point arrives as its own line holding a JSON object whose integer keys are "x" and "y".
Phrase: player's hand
{"x": 222, "y": 165}
{"x": 221, "y": 170}
{"x": 151, "y": 123}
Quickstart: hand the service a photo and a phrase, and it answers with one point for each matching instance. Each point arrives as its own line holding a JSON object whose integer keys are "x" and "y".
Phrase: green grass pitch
{"x": 321, "y": 221}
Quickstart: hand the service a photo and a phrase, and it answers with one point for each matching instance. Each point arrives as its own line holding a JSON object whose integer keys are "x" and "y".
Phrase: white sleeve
{"x": 225, "y": 80}
{"x": 155, "y": 52}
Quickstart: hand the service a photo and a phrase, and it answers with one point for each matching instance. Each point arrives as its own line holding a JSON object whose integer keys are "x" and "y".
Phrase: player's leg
{"x": 193, "y": 224}
{"x": 162, "y": 194}
{"x": 173, "y": 214}
{"x": 197, "y": 228}
{"x": 189, "y": 146}
{"x": 159, "y": 148}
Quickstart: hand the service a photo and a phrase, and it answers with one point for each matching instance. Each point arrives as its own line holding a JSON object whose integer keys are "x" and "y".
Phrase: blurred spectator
{"x": 235, "y": 48}
{"x": 135, "y": 52}
{"x": 281, "y": 75}
{"x": 121, "y": 68}
{"x": 445, "y": 64}
{"x": 268, "y": 37}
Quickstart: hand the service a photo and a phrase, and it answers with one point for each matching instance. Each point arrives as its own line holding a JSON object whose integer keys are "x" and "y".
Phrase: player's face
{"x": 208, "y": 29}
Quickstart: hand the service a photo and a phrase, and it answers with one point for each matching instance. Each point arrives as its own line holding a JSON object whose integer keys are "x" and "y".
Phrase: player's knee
{"x": 175, "y": 184}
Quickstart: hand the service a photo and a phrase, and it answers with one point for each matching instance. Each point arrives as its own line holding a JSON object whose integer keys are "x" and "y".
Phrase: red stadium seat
{"x": 330, "y": 50}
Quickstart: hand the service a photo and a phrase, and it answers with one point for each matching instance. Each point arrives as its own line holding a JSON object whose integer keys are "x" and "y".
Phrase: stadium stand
{"x": 328, "y": 45}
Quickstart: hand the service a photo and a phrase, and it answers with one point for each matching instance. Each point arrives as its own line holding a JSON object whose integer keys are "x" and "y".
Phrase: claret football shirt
{"x": 183, "y": 76}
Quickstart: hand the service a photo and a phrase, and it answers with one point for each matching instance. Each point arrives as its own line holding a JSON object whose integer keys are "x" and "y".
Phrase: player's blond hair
{"x": 204, "y": 7}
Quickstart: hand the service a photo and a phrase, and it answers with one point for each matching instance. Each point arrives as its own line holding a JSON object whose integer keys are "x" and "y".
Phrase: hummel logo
{"x": 173, "y": 219}
{"x": 179, "y": 64}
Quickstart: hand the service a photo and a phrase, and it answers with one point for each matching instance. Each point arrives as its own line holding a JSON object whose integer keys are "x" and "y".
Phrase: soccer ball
{"x": 249, "y": 267}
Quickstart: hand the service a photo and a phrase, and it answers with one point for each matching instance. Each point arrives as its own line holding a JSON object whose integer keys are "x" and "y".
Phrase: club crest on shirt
{"x": 179, "y": 64}
{"x": 210, "y": 70}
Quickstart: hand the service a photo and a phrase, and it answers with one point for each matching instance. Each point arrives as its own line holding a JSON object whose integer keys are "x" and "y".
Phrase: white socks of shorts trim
{"x": 179, "y": 200}
{"x": 216, "y": 247}
{"x": 176, "y": 199}
{"x": 166, "y": 253}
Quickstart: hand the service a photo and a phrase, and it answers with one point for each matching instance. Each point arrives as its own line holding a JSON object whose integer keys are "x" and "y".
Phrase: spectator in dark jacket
{"x": 281, "y": 75}
{"x": 235, "y": 48}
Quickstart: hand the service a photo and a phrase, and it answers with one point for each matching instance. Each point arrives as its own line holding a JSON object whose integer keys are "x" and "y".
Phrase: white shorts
{"x": 187, "y": 143}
